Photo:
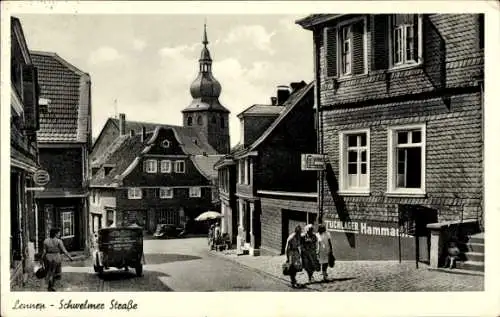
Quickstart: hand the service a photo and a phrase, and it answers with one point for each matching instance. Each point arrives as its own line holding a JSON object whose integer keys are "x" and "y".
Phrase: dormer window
{"x": 165, "y": 144}
{"x": 107, "y": 170}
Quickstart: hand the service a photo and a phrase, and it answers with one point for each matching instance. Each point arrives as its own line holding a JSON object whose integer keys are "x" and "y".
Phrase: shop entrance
{"x": 413, "y": 220}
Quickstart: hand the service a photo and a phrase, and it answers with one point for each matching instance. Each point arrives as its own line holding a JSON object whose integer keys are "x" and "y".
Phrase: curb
{"x": 259, "y": 271}
{"x": 456, "y": 271}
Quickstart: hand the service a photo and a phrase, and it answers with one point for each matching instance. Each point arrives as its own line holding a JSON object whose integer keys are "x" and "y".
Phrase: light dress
{"x": 323, "y": 246}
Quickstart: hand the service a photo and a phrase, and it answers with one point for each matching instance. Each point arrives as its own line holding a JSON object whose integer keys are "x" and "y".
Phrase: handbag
{"x": 331, "y": 257}
{"x": 40, "y": 271}
{"x": 286, "y": 268}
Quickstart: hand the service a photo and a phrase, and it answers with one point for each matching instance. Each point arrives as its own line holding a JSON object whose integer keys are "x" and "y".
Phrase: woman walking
{"x": 292, "y": 251}
{"x": 309, "y": 254}
{"x": 324, "y": 249}
{"x": 51, "y": 257}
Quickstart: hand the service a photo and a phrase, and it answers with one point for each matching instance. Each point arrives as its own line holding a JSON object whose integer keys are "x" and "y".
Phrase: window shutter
{"x": 30, "y": 98}
{"x": 381, "y": 42}
{"x": 330, "y": 40}
{"x": 358, "y": 49}
{"x": 416, "y": 37}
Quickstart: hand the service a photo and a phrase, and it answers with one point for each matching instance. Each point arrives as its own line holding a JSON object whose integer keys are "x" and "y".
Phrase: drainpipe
{"x": 317, "y": 101}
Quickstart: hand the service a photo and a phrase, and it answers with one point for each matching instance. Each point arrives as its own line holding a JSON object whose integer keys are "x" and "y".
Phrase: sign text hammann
{"x": 364, "y": 228}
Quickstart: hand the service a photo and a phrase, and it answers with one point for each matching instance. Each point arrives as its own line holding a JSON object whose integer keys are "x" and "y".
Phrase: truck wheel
{"x": 138, "y": 270}
{"x": 97, "y": 268}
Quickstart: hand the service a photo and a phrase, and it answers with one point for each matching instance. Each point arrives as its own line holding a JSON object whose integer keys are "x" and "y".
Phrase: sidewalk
{"x": 365, "y": 276}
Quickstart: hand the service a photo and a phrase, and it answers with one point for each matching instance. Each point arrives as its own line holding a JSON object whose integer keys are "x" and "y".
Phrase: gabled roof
{"x": 130, "y": 148}
{"x": 125, "y": 152}
{"x": 99, "y": 161}
{"x": 262, "y": 110}
{"x": 206, "y": 164}
{"x": 291, "y": 102}
{"x": 68, "y": 89}
{"x": 314, "y": 19}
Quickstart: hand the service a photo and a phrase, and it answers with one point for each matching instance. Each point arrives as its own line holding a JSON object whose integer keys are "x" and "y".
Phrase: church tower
{"x": 205, "y": 111}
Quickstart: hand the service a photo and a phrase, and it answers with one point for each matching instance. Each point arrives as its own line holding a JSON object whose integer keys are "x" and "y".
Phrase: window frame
{"x": 166, "y": 190}
{"x": 177, "y": 169}
{"x": 343, "y": 159}
{"x": 191, "y": 195}
{"x": 71, "y": 221}
{"x": 342, "y": 41}
{"x": 392, "y": 146}
{"x": 419, "y": 33}
{"x": 132, "y": 193}
{"x": 165, "y": 170}
{"x": 155, "y": 169}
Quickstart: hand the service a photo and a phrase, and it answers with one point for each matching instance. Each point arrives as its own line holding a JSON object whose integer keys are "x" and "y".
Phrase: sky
{"x": 147, "y": 62}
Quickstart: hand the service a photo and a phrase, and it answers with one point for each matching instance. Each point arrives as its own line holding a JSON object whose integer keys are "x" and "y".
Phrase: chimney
{"x": 297, "y": 86}
{"x": 283, "y": 94}
{"x": 143, "y": 134}
{"x": 274, "y": 101}
{"x": 121, "y": 123}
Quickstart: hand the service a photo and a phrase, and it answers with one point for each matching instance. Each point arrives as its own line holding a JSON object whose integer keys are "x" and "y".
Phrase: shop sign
{"x": 41, "y": 177}
{"x": 312, "y": 162}
{"x": 365, "y": 228}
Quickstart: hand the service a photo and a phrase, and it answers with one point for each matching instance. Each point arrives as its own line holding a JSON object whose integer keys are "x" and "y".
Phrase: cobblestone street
{"x": 368, "y": 276}
{"x": 187, "y": 265}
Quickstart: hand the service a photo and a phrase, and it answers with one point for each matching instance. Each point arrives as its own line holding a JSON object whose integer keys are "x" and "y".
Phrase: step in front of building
{"x": 472, "y": 254}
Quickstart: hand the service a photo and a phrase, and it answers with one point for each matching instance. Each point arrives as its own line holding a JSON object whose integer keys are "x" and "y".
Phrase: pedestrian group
{"x": 308, "y": 251}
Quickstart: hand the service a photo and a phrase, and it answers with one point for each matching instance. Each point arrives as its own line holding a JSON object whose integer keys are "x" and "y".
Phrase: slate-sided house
{"x": 273, "y": 193}
{"x": 151, "y": 178}
{"x": 401, "y": 126}
{"x": 24, "y": 124}
{"x": 64, "y": 141}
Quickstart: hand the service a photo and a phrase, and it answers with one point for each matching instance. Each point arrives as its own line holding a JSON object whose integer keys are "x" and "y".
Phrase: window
{"x": 200, "y": 120}
{"x": 189, "y": 121}
{"x": 222, "y": 125}
{"x": 346, "y": 49}
{"x": 166, "y": 166}
{"x": 168, "y": 216}
{"x": 214, "y": 120}
{"x": 151, "y": 166}
{"x": 355, "y": 161}
{"x": 407, "y": 160}
{"x": 165, "y": 144}
{"x": 110, "y": 217}
{"x": 180, "y": 167}
{"x": 94, "y": 197}
{"x": 166, "y": 192}
{"x": 241, "y": 171}
{"x": 194, "y": 192}
{"x": 134, "y": 193}
{"x": 68, "y": 225}
{"x": 405, "y": 39}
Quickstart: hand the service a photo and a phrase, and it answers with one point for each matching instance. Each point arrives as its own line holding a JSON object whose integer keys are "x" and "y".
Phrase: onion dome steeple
{"x": 205, "y": 89}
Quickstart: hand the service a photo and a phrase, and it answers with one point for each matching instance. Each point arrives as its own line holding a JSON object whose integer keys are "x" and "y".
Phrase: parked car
{"x": 164, "y": 231}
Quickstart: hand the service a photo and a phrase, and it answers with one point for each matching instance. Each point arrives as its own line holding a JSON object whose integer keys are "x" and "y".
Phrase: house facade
{"x": 268, "y": 204}
{"x": 150, "y": 174}
{"x": 64, "y": 141}
{"x": 401, "y": 127}
{"x": 24, "y": 124}
{"x": 163, "y": 177}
